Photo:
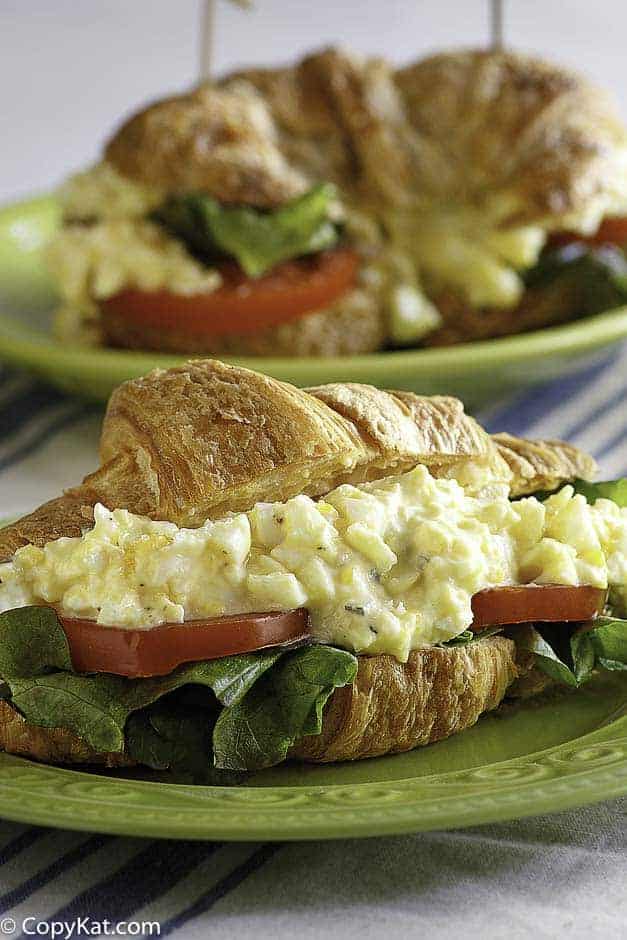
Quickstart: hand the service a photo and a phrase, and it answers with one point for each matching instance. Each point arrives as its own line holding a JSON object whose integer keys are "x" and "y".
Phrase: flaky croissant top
{"x": 524, "y": 139}
{"x": 206, "y": 438}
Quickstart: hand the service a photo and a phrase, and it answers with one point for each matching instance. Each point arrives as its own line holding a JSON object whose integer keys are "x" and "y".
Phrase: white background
{"x": 70, "y": 69}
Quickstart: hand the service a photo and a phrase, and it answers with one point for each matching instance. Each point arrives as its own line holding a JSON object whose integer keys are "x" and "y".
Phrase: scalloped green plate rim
{"x": 591, "y": 769}
{"x": 475, "y": 371}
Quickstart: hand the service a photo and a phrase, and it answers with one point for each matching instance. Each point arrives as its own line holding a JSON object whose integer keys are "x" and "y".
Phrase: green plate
{"x": 541, "y": 757}
{"x": 476, "y": 372}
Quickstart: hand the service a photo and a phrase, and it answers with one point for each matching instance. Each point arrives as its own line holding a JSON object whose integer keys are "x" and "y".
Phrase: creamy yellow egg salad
{"x": 383, "y": 567}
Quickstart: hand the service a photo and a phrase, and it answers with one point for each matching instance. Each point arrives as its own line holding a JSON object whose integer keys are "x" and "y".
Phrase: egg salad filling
{"x": 384, "y": 567}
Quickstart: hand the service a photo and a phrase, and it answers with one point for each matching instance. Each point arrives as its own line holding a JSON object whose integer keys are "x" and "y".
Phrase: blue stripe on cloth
{"x": 582, "y": 424}
{"x": 145, "y": 878}
{"x": 52, "y": 871}
{"x": 59, "y": 424}
{"x": 227, "y": 884}
{"x": 613, "y": 442}
{"x": 525, "y": 409}
{"x": 17, "y": 411}
{"x": 20, "y": 843}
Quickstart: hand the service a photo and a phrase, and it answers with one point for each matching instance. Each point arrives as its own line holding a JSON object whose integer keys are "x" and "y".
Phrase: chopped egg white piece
{"x": 97, "y": 261}
{"x": 384, "y": 567}
{"x": 101, "y": 192}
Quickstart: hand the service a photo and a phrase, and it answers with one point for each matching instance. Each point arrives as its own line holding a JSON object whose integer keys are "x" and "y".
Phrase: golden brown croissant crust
{"x": 458, "y": 127}
{"x": 523, "y": 127}
{"x": 220, "y": 141}
{"x": 206, "y": 438}
{"x": 542, "y": 465}
{"x": 392, "y": 706}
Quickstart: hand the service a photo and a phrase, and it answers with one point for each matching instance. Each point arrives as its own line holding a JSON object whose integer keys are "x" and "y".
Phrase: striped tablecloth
{"x": 552, "y": 876}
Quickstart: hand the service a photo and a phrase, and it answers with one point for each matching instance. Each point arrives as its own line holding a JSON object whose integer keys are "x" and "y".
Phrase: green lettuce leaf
{"x": 607, "y": 641}
{"x": 530, "y": 639}
{"x": 167, "y": 737}
{"x": 599, "y": 644}
{"x": 616, "y": 490}
{"x": 285, "y": 705}
{"x": 594, "y": 277}
{"x": 96, "y": 707}
{"x": 257, "y": 240}
{"x": 32, "y": 642}
{"x": 470, "y": 636}
{"x": 467, "y": 636}
{"x": 175, "y": 734}
{"x": 582, "y": 655}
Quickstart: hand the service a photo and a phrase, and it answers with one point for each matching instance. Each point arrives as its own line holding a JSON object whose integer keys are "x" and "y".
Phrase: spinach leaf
{"x": 32, "y": 642}
{"x": 598, "y": 644}
{"x": 616, "y": 490}
{"x": 528, "y": 638}
{"x": 286, "y": 704}
{"x": 257, "y": 240}
{"x": 609, "y": 642}
{"x": 595, "y": 276}
{"x": 96, "y": 707}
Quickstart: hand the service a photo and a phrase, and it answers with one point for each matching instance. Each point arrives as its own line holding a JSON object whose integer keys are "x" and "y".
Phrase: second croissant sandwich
{"x": 258, "y": 572}
{"x": 340, "y": 206}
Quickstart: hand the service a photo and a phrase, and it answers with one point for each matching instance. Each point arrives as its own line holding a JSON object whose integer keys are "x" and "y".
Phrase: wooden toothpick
{"x": 207, "y": 21}
{"x": 496, "y": 24}
{"x": 207, "y": 35}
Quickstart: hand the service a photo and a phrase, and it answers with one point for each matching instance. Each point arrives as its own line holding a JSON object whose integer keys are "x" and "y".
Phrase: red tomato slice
{"x": 611, "y": 231}
{"x": 157, "y": 651}
{"x": 546, "y": 603}
{"x": 243, "y": 305}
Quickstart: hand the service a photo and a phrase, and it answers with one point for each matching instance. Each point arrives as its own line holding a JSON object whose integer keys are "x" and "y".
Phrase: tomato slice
{"x": 242, "y": 305}
{"x": 546, "y": 603}
{"x": 611, "y": 231}
{"x": 157, "y": 651}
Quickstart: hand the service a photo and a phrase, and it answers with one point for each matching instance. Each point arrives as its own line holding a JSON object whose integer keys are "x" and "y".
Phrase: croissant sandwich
{"x": 340, "y": 206}
{"x": 258, "y": 572}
